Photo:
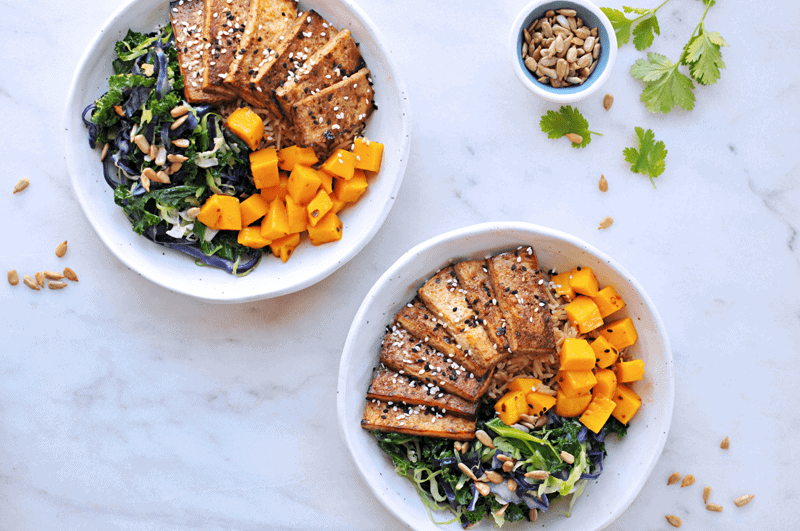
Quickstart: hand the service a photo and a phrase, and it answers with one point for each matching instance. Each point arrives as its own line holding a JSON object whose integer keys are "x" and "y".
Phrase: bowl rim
{"x": 71, "y": 118}
{"x": 393, "y": 276}
{"x": 515, "y": 52}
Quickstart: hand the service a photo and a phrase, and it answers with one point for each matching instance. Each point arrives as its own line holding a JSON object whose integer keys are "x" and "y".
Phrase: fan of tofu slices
{"x": 295, "y": 66}
{"x": 438, "y": 356}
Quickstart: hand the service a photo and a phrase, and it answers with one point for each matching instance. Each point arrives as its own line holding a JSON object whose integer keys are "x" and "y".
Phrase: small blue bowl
{"x": 592, "y": 17}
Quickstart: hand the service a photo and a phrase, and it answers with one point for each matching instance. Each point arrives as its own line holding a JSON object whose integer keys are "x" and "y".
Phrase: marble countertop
{"x": 126, "y": 407}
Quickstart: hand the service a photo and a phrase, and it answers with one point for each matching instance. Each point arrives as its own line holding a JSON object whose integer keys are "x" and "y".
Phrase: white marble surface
{"x": 126, "y": 407}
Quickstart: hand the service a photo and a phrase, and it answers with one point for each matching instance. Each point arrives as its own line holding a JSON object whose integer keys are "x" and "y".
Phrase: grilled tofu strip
{"x": 336, "y": 60}
{"x": 422, "y": 323}
{"x": 402, "y": 352}
{"x": 187, "y": 18}
{"x": 518, "y": 286}
{"x": 416, "y": 420}
{"x": 473, "y": 277}
{"x": 267, "y": 20}
{"x": 390, "y": 386}
{"x": 225, "y": 24}
{"x": 443, "y": 296}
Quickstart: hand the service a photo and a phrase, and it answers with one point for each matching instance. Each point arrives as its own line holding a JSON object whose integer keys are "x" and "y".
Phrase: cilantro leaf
{"x": 645, "y": 31}
{"x": 645, "y": 26}
{"x": 567, "y": 120}
{"x": 649, "y": 158}
{"x": 703, "y": 56}
{"x": 666, "y": 86}
{"x": 621, "y": 24}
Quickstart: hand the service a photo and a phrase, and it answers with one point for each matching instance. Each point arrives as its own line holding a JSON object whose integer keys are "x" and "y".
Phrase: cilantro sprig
{"x": 665, "y": 86}
{"x": 567, "y": 120}
{"x": 649, "y": 159}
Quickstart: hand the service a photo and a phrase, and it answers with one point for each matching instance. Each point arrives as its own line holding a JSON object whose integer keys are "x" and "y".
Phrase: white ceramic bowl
{"x": 629, "y": 461}
{"x": 592, "y": 17}
{"x": 390, "y": 125}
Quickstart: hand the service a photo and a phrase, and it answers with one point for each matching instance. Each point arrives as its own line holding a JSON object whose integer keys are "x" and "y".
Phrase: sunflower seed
{"x": 13, "y": 277}
{"x": 706, "y": 494}
{"x": 153, "y": 150}
{"x": 561, "y": 68}
{"x": 504, "y": 458}
{"x": 567, "y": 12}
{"x": 61, "y": 250}
{"x": 540, "y": 422}
{"x": 530, "y": 64}
{"x": 596, "y": 51}
{"x": 484, "y": 438}
{"x": 104, "y": 152}
{"x": 741, "y": 501}
{"x": 604, "y": 188}
{"x": 467, "y": 471}
{"x": 512, "y": 485}
{"x": 527, "y": 35}
{"x": 673, "y": 478}
{"x": 538, "y": 474}
{"x": 30, "y": 282}
{"x": 537, "y": 37}
{"x": 584, "y": 61}
{"x": 567, "y": 457}
{"x": 549, "y": 13}
{"x": 588, "y": 44}
{"x": 161, "y": 156}
{"x": 524, "y": 49}
{"x": 464, "y": 447}
{"x": 574, "y": 80}
{"x": 572, "y": 55}
{"x": 725, "y": 444}
{"x": 533, "y": 514}
{"x": 56, "y": 284}
{"x": 605, "y": 223}
{"x": 508, "y": 466}
{"x": 21, "y": 185}
{"x": 40, "y": 278}
{"x": 499, "y": 512}
{"x": 574, "y": 138}
{"x": 174, "y": 167}
{"x": 608, "y": 101}
{"x": 561, "y": 19}
{"x": 174, "y": 157}
{"x": 145, "y": 182}
{"x": 714, "y": 507}
{"x": 179, "y": 122}
{"x": 70, "y": 274}
{"x": 548, "y": 61}
{"x": 162, "y": 177}
{"x": 547, "y": 30}
{"x": 673, "y": 520}
{"x": 178, "y": 111}
{"x": 549, "y": 72}
{"x": 688, "y": 480}
{"x": 181, "y": 142}
{"x": 142, "y": 143}
{"x": 483, "y": 488}
{"x": 583, "y": 33}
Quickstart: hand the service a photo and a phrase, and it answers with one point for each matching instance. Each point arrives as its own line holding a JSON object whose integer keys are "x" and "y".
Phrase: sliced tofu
{"x": 416, "y": 420}
{"x": 445, "y": 298}
{"x": 473, "y": 278}
{"x": 267, "y": 20}
{"x": 333, "y": 62}
{"x": 422, "y": 323}
{"x": 187, "y": 18}
{"x": 334, "y": 114}
{"x": 402, "y": 352}
{"x": 518, "y": 287}
{"x": 225, "y": 24}
{"x": 390, "y": 386}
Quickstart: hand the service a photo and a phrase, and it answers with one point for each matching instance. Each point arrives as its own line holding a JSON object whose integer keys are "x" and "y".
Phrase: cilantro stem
{"x": 649, "y": 13}
{"x": 702, "y": 19}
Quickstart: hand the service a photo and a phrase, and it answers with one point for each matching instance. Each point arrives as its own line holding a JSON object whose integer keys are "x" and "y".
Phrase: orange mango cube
{"x": 251, "y": 237}
{"x": 582, "y": 312}
{"x": 621, "y": 333}
{"x": 318, "y": 207}
{"x": 628, "y": 403}
{"x": 562, "y": 285}
{"x": 296, "y": 217}
{"x": 630, "y": 371}
{"x": 571, "y": 406}
{"x": 606, "y": 383}
{"x": 221, "y": 212}
{"x": 511, "y": 406}
{"x": 576, "y": 355}
{"x": 604, "y": 352}
{"x": 597, "y": 413}
{"x": 539, "y": 403}
{"x": 276, "y": 192}
{"x": 369, "y": 154}
{"x": 303, "y": 184}
{"x": 575, "y": 383}
{"x": 288, "y": 157}
{"x": 328, "y": 229}
{"x": 276, "y": 223}
{"x": 247, "y": 125}
{"x": 349, "y": 191}
{"x": 264, "y": 167}
{"x": 524, "y": 384}
{"x": 284, "y": 247}
{"x": 253, "y": 208}
{"x": 583, "y": 281}
{"x": 608, "y": 301}
{"x": 340, "y": 164}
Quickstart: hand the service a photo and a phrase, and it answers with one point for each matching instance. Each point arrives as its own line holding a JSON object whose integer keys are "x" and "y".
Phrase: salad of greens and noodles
{"x": 432, "y": 464}
{"x": 146, "y": 85}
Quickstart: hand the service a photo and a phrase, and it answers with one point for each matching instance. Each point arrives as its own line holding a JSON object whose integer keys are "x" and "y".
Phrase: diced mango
{"x": 628, "y": 403}
{"x": 327, "y": 182}
{"x": 583, "y": 281}
{"x": 511, "y": 406}
{"x": 264, "y": 167}
{"x": 350, "y": 190}
{"x": 340, "y": 164}
{"x": 328, "y": 229}
{"x": 606, "y": 383}
{"x": 276, "y": 192}
{"x": 247, "y": 125}
{"x": 571, "y": 406}
{"x": 303, "y": 184}
{"x": 368, "y": 154}
{"x": 296, "y": 216}
{"x": 608, "y": 301}
{"x": 318, "y": 207}
{"x": 253, "y": 208}
{"x": 597, "y": 413}
{"x": 621, "y": 333}
{"x": 276, "y": 223}
{"x": 575, "y": 383}
{"x": 285, "y": 246}
{"x": 562, "y": 285}
{"x": 576, "y": 355}
{"x": 630, "y": 371}
{"x": 583, "y": 314}
{"x": 336, "y": 204}
{"x": 221, "y": 212}
{"x": 604, "y": 352}
{"x": 539, "y": 403}
{"x": 251, "y": 237}
{"x": 289, "y": 156}
{"x": 524, "y": 384}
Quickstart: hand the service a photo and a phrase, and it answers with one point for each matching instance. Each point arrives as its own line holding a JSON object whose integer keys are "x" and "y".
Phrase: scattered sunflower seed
{"x": 512, "y": 485}
{"x": 467, "y": 471}
{"x": 605, "y": 222}
{"x": 567, "y": 457}
{"x": 574, "y": 138}
{"x": 70, "y": 274}
{"x": 494, "y": 477}
{"x": 13, "y": 277}
{"x": 53, "y": 275}
{"x": 484, "y": 438}
{"x": 608, "y": 101}
{"x": 40, "y": 278}
{"x": 533, "y": 514}
{"x": 178, "y": 111}
{"x": 673, "y": 478}
{"x": 688, "y": 480}
{"x": 603, "y": 184}
{"x": 537, "y": 474}
{"x": 483, "y": 488}
{"x": 725, "y": 444}
{"x": 61, "y": 250}
{"x": 181, "y": 142}
{"x": 21, "y": 185}
{"x": 104, "y": 152}
{"x": 673, "y": 520}
{"x": 706, "y": 494}
{"x": 714, "y": 507}
{"x": 30, "y": 282}
{"x": 741, "y": 501}
{"x": 56, "y": 284}
{"x": 501, "y": 510}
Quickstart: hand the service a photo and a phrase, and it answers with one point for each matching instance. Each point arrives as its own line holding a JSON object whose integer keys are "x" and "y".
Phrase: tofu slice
{"x": 402, "y": 352}
{"x": 518, "y": 285}
{"x": 225, "y": 24}
{"x": 333, "y": 62}
{"x": 334, "y": 114}
{"x": 267, "y": 20}
{"x": 416, "y": 420}
{"x": 473, "y": 277}
{"x": 422, "y": 323}
{"x": 392, "y": 387}
{"x": 187, "y": 18}
{"x": 444, "y": 297}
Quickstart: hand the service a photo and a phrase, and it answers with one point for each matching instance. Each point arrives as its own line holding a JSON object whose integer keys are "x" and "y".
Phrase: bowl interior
{"x": 629, "y": 462}
{"x": 390, "y": 125}
{"x": 590, "y": 19}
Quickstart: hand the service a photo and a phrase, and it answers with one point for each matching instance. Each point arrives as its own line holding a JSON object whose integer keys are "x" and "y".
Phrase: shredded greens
{"x": 145, "y": 87}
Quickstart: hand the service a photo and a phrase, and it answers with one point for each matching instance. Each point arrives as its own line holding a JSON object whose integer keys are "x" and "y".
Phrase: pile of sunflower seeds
{"x": 560, "y": 49}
